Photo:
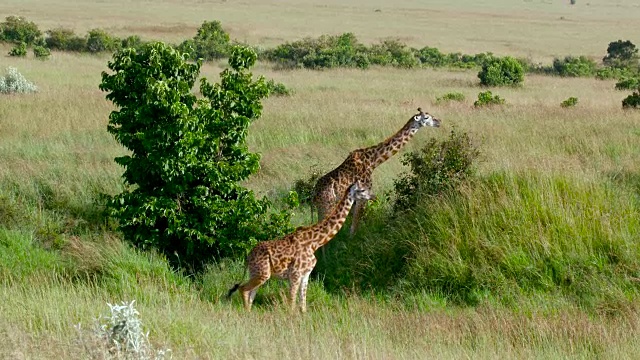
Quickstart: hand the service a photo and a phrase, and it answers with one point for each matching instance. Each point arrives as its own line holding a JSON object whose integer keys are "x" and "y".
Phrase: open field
{"x": 534, "y": 28}
{"x": 566, "y": 178}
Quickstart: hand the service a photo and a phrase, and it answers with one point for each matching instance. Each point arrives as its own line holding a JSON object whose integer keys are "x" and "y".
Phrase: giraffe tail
{"x": 236, "y": 286}
{"x": 232, "y": 290}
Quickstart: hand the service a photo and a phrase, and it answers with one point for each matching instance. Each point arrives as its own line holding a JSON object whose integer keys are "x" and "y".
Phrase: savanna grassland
{"x": 541, "y": 248}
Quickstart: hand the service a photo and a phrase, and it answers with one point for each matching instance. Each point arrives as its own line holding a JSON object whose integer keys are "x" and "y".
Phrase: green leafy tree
{"x": 501, "y": 71}
{"x": 188, "y": 155}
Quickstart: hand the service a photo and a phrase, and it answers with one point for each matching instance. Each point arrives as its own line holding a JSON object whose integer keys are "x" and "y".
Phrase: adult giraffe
{"x": 359, "y": 166}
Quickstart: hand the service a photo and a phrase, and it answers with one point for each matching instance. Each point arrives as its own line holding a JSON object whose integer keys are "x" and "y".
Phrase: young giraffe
{"x": 359, "y": 166}
{"x": 292, "y": 257}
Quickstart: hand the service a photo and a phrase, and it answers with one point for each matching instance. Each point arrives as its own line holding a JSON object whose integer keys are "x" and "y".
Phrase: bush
{"x": 486, "y": 98}
{"x": 632, "y": 101}
{"x": 392, "y": 52}
{"x": 453, "y": 96}
{"x": 572, "y": 101}
{"x": 132, "y": 41}
{"x": 41, "y": 52}
{"x": 432, "y": 57}
{"x": 17, "y": 30}
{"x": 14, "y": 83}
{"x": 621, "y": 54}
{"x": 574, "y": 66}
{"x": 99, "y": 41}
{"x": 278, "y": 89}
{"x": 613, "y": 73}
{"x": 19, "y": 50}
{"x": 188, "y": 156}
{"x": 322, "y": 53}
{"x": 304, "y": 187}
{"x": 120, "y": 335}
{"x": 438, "y": 167}
{"x": 65, "y": 40}
{"x": 628, "y": 84}
{"x": 501, "y": 71}
{"x": 210, "y": 43}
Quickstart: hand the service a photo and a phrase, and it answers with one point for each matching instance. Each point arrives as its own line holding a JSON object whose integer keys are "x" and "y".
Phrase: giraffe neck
{"x": 386, "y": 149}
{"x": 326, "y": 229}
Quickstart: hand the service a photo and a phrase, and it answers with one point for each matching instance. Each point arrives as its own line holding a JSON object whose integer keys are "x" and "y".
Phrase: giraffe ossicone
{"x": 292, "y": 257}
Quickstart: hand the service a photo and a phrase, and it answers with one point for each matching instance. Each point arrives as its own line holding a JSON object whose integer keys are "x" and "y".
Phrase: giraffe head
{"x": 423, "y": 119}
{"x": 358, "y": 192}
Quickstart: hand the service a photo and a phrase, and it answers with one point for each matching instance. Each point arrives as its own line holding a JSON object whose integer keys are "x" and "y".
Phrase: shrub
{"x": 501, "y": 71}
{"x": 621, "y": 54}
{"x": 291, "y": 54}
{"x": 337, "y": 51}
{"x": 613, "y": 73}
{"x": 438, "y": 167}
{"x": 132, "y": 41}
{"x": 572, "y": 101}
{"x": 41, "y": 52}
{"x": 432, "y": 57}
{"x": 574, "y": 66}
{"x": 278, "y": 89}
{"x": 188, "y": 156}
{"x": 486, "y": 98}
{"x": 17, "y": 30}
{"x": 327, "y": 51}
{"x": 392, "y": 52}
{"x": 632, "y": 101}
{"x": 65, "y": 40}
{"x": 99, "y": 41}
{"x": 628, "y": 84}
{"x": 304, "y": 187}
{"x": 14, "y": 83}
{"x": 211, "y": 42}
{"x": 453, "y": 96}
{"x": 120, "y": 335}
{"x": 19, "y": 50}
{"x": 478, "y": 59}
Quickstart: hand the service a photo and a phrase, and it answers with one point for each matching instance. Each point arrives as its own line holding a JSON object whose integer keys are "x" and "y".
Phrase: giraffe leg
{"x": 248, "y": 290}
{"x": 303, "y": 291}
{"x": 355, "y": 217}
{"x": 294, "y": 285}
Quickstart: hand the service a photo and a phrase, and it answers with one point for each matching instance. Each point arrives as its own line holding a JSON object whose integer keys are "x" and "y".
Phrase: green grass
{"x": 503, "y": 239}
{"x": 537, "y": 258}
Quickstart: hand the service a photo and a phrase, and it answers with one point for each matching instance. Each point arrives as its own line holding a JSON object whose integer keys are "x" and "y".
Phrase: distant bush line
{"x": 327, "y": 51}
